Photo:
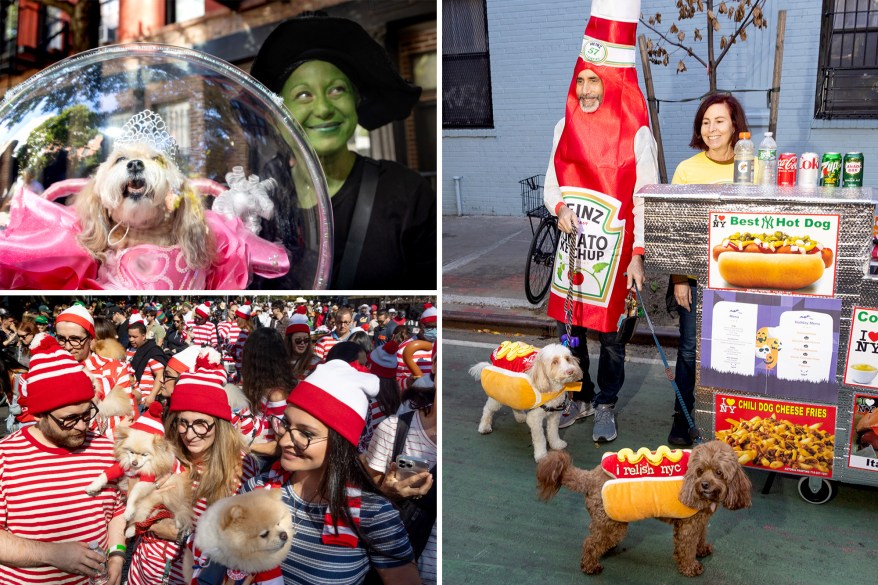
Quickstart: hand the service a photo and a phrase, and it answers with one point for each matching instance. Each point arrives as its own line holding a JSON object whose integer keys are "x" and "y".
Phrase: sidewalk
{"x": 484, "y": 258}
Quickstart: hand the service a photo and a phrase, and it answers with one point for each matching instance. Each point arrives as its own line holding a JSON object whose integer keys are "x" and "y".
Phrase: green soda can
{"x": 852, "y": 173}
{"x": 830, "y": 169}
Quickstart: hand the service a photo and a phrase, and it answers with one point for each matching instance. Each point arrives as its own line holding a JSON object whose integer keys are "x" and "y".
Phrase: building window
{"x": 109, "y": 21}
{"x": 466, "y": 66}
{"x": 847, "y": 76}
{"x": 183, "y": 10}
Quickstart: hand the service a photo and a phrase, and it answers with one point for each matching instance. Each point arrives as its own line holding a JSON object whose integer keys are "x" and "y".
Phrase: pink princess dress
{"x": 39, "y": 250}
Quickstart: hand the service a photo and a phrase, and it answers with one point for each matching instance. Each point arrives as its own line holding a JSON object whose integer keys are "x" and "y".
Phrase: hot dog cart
{"x": 787, "y": 355}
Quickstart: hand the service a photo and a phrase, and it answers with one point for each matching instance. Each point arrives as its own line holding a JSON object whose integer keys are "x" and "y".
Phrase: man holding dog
{"x": 603, "y": 152}
{"x": 47, "y": 519}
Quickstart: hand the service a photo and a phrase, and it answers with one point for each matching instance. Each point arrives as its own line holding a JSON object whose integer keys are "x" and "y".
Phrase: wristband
{"x": 116, "y": 553}
{"x": 117, "y": 548}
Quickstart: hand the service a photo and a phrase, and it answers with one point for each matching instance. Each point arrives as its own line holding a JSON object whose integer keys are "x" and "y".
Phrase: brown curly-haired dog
{"x": 713, "y": 477}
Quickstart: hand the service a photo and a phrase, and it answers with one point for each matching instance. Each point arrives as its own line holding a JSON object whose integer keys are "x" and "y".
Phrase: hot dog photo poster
{"x": 861, "y": 365}
{"x": 790, "y": 437}
{"x": 773, "y": 252}
{"x": 774, "y": 345}
{"x": 864, "y": 433}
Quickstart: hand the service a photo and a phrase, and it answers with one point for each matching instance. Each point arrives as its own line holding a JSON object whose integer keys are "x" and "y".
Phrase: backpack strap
{"x": 357, "y": 235}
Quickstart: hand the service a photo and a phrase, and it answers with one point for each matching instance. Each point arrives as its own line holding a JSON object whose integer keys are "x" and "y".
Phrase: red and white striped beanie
{"x": 337, "y": 395}
{"x": 299, "y": 322}
{"x": 203, "y": 310}
{"x": 203, "y": 388}
{"x": 136, "y": 317}
{"x": 244, "y": 311}
{"x": 429, "y": 315}
{"x": 184, "y": 360}
{"x": 383, "y": 360}
{"x": 79, "y": 315}
{"x": 55, "y": 378}
{"x": 150, "y": 421}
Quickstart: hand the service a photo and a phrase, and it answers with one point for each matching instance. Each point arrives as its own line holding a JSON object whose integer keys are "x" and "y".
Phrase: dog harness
{"x": 646, "y": 484}
{"x": 506, "y": 382}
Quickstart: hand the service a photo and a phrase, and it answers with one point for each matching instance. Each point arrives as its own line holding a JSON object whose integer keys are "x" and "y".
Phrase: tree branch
{"x": 748, "y": 20}
{"x": 676, "y": 44}
{"x": 59, "y": 4}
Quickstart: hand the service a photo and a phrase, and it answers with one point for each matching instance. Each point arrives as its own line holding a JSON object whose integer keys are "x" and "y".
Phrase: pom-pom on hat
{"x": 184, "y": 361}
{"x": 55, "y": 378}
{"x": 150, "y": 421}
{"x": 136, "y": 317}
{"x": 338, "y": 396}
{"x": 299, "y": 322}
{"x": 203, "y": 310}
{"x": 244, "y": 311}
{"x": 202, "y": 388}
{"x": 383, "y": 359}
{"x": 79, "y": 315}
{"x": 429, "y": 315}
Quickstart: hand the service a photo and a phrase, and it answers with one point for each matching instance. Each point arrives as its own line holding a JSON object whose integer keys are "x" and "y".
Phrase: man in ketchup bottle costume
{"x": 602, "y": 153}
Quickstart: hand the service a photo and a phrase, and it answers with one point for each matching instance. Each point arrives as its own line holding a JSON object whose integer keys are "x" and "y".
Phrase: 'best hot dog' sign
{"x": 775, "y": 252}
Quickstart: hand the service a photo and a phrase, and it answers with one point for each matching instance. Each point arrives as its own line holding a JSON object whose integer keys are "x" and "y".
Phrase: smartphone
{"x": 408, "y": 465}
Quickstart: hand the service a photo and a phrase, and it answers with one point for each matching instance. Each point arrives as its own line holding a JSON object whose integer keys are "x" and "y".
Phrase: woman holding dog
{"x": 326, "y": 488}
{"x": 211, "y": 450}
{"x": 715, "y": 130}
{"x": 332, "y": 76}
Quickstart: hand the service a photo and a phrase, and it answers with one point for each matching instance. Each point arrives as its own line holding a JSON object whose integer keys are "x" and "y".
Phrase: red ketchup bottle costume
{"x": 599, "y": 160}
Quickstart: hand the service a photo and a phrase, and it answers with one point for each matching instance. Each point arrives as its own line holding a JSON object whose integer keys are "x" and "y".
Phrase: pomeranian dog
{"x": 139, "y": 196}
{"x": 249, "y": 533}
{"x": 143, "y": 453}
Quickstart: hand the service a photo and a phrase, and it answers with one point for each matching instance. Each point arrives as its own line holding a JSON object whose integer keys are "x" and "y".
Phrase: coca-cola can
{"x": 787, "y": 164}
{"x": 809, "y": 169}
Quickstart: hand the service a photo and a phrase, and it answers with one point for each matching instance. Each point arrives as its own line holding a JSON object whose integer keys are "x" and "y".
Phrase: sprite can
{"x": 830, "y": 169}
{"x": 852, "y": 170}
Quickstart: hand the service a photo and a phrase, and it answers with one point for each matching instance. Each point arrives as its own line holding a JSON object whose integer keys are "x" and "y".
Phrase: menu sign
{"x": 775, "y": 345}
{"x": 790, "y": 253}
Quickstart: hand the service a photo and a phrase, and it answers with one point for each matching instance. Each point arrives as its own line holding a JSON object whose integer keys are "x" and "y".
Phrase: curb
{"x": 545, "y": 327}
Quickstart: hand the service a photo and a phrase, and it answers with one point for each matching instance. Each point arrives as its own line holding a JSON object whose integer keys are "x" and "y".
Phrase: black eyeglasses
{"x": 200, "y": 428}
{"x": 23, "y": 335}
{"x": 302, "y": 341}
{"x": 301, "y": 439}
{"x": 343, "y": 322}
{"x": 68, "y": 423}
{"x": 75, "y": 342}
{"x": 168, "y": 378}
{"x": 177, "y": 321}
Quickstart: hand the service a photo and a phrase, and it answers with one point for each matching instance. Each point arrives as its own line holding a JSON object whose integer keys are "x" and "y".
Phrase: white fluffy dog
{"x": 553, "y": 367}
{"x": 139, "y": 196}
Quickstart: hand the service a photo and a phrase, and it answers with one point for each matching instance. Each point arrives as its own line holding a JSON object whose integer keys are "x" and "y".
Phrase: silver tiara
{"x": 148, "y": 128}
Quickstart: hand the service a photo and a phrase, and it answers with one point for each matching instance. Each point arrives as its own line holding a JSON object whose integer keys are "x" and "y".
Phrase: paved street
{"x": 495, "y": 531}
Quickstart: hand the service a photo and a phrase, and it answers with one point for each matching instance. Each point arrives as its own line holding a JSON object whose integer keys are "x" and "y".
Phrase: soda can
{"x": 830, "y": 169}
{"x": 852, "y": 173}
{"x": 786, "y": 169}
{"x": 809, "y": 169}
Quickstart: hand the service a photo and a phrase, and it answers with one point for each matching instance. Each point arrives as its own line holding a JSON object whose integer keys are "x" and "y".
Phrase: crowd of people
{"x": 302, "y": 395}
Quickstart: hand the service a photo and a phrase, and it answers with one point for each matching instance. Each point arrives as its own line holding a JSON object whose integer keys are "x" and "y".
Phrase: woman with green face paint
{"x": 333, "y": 76}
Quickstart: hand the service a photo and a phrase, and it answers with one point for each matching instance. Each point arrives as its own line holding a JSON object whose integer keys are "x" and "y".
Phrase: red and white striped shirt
{"x": 239, "y": 350}
{"x": 116, "y": 373}
{"x": 42, "y": 497}
{"x": 150, "y": 373}
{"x": 323, "y": 346}
{"x": 204, "y": 334}
{"x": 229, "y": 330}
{"x": 423, "y": 358}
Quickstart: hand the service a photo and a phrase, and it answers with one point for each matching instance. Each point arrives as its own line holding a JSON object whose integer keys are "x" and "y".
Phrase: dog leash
{"x": 697, "y": 438}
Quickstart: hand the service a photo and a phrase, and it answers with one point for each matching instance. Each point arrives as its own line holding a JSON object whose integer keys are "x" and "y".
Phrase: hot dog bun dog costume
{"x": 506, "y": 382}
{"x": 646, "y": 484}
{"x": 599, "y": 160}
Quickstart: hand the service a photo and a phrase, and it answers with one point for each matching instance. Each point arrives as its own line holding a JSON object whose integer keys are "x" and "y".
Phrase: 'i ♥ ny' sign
{"x": 861, "y": 368}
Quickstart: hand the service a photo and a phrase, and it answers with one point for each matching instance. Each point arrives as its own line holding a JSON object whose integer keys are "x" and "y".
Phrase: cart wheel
{"x": 817, "y": 490}
{"x": 540, "y": 260}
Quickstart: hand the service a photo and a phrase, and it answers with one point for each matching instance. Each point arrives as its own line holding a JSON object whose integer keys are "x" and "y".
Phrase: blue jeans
{"x": 684, "y": 373}
{"x": 611, "y": 366}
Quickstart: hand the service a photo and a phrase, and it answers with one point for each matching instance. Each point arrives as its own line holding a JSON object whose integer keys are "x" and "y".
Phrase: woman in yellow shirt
{"x": 715, "y": 130}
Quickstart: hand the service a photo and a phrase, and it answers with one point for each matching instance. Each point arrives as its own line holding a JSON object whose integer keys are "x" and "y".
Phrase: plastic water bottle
{"x": 744, "y": 159}
{"x": 101, "y": 578}
{"x": 766, "y": 161}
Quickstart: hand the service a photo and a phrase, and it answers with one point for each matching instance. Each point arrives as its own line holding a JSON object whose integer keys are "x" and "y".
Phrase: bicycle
{"x": 541, "y": 256}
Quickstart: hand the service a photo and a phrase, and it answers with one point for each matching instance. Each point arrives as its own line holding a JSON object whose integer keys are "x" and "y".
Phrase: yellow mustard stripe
{"x": 653, "y": 457}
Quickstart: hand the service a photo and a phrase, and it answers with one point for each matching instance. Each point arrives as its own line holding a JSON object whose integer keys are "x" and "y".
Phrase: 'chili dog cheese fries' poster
{"x": 789, "y": 437}
{"x": 773, "y": 252}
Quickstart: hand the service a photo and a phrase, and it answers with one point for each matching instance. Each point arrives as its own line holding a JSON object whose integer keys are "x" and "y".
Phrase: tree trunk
{"x": 85, "y": 25}
{"x": 711, "y": 66}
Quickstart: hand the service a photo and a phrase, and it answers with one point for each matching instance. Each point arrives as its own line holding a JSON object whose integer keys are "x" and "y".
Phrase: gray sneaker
{"x": 604, "y": 424}
{"x": 576, "y": 410}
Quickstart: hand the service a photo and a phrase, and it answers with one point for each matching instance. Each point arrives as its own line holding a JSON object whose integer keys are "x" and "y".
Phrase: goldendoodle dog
{"x": 553, "y": 367}
{"x": 713, "y": 477}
